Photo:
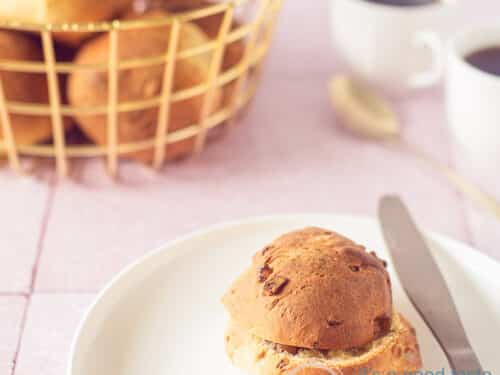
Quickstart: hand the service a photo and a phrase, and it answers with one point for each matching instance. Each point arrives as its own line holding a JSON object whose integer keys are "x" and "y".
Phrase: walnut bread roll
{"x": 314, "y": 296}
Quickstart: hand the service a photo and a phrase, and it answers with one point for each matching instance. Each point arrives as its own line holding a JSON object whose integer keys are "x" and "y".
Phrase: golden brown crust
{"x": 396, "y": 353}
{"x": 58, "y": 11}
{"x": 234, "y": 51}
{"x": 25, "y": 88}
{"x": 313, "y": 288}
{"x": 89, "y": 88}
{"x": 211, "y": 26}
{"x": 63, "y": 11}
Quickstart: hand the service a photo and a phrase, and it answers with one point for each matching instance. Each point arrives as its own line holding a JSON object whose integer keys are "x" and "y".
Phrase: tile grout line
{"x": 461, "y": 197}
{"x": 49, "y": 292}
{"x": 41, "y": 238}
{"x": 21, "y": 333}
{"x": 466, "y": 220}
{"x": 34, "y": 271}
{"x": 66, "y": 292}
{"x": 14, "y": 294}
{"x": 451, "y": 163}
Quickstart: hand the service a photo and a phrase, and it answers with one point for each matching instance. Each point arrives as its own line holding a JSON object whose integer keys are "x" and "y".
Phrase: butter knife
{"x": 429, "y": 294}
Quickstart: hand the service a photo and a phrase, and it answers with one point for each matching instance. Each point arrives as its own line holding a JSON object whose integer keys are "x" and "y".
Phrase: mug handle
{"x": 431, "y": 40}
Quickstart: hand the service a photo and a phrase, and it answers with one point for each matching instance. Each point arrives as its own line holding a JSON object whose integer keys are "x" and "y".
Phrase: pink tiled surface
{"x": 23, "y": 203}
{"x": 12, "y": 309}
{"x": 62, "y": 241}
{"x": 48, "y": 332}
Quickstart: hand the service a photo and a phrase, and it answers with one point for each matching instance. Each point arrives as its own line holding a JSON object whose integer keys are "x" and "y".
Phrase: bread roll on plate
{"x": 315, "y": 299}
{"x": 25, "y": 88}
{"x": 63, "y": 11}
{"x": 90, "y": 88}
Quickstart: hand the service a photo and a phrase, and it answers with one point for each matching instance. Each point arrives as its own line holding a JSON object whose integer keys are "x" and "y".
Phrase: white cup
{"x": 396, "y": 48}
{"x": 473, "y": 104}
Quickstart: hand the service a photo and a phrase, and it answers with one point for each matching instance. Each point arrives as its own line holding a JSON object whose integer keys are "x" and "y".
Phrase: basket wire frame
{"x": 7, "y": 132}
{"x": 168, "y": 79}
{"x": 257, "y": 34}
{"x": 112, "y": 127}
{"x": 214, "y": 71}
{"x": 249, "y": 47}
{"x": 55, "y": 102}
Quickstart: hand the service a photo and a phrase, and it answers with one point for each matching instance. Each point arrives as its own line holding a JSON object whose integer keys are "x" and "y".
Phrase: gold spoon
{"x": 367, "y": 115}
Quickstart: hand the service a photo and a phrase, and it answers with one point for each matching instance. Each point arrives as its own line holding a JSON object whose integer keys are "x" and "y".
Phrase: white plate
{"x": 162, "y": 315}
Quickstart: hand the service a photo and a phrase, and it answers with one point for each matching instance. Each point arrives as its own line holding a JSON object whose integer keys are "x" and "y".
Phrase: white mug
{"x": 396, "y": 48}
{"x": 473, "y": 104}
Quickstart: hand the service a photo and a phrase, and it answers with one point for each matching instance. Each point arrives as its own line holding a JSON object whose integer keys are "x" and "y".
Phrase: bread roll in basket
{"x": 90, "y": 88}
{"x": 63, "y": 11}
{"x": 148, "y": 84}
{"x": 24, "y": 87}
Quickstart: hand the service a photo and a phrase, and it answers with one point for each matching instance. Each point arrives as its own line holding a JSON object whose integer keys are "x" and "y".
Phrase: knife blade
{"x": 430, "y": 294}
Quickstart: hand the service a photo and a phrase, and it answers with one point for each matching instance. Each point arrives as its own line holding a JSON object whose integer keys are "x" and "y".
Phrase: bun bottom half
{"x": 395, "y": 353}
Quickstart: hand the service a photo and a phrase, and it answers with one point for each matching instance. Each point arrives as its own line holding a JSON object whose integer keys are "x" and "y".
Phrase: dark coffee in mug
{"x": 486, "y": 59}
{"x": 404, "y": 3}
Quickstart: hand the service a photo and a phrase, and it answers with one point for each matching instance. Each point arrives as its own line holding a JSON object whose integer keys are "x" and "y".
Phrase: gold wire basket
{"x": 244, "y": 76}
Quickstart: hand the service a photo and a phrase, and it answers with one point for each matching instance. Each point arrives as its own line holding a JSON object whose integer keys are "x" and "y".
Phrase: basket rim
{"x": 120, "y": 24}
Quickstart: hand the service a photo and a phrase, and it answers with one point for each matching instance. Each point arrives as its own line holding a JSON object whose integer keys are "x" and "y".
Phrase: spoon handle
{"x": 469, "y": 189}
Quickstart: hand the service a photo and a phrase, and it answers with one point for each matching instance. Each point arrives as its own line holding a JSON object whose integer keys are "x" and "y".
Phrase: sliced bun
{"x": 25, "y": 88}
{"x": 315, "y": 289}
{"x": 90, "y": 88}
{"x": 397, "y": 352}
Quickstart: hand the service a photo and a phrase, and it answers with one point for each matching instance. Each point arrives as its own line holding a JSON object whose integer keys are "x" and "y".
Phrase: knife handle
{"x": 431, "y": 297}
{"x": 463, "y": 360}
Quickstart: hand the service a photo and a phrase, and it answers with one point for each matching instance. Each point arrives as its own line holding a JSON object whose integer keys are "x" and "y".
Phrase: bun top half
{"x": 315, "y": 289}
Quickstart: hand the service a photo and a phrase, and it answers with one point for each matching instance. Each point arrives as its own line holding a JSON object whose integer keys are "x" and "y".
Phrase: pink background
{"x": 62, "y": 241}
